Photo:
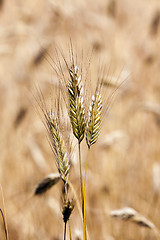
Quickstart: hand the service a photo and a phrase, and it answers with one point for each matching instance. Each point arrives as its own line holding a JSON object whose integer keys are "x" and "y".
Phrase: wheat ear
{"x": 58, "y": 146}
{"x": 94, "y": 119}
{"x": 56, "y": 141}
{"x": 76, "y": 110}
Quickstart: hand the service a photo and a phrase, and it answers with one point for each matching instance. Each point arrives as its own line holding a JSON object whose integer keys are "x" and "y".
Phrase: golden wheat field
{"x": 124, "y": 164}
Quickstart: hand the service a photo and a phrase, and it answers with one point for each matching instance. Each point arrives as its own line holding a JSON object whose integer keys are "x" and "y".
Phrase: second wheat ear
{"x": 76, "y": 109}
{"x": 60, "y": 149}
{"x": 94, "y": 119}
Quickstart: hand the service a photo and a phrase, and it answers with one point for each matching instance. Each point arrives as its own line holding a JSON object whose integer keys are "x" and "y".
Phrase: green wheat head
{"x": 59, "y": 148}
{"x": 76, "y": 110}
{"x": 94, "y": 119}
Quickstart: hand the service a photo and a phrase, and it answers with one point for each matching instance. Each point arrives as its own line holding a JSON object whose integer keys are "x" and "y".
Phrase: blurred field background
{"x": 124, "y": 165}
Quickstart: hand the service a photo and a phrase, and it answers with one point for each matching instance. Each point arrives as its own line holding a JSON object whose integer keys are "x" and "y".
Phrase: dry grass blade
{"x": 131, "y": 215}
{"x": 94, "y": 119}
{"x": 47, "y": 183}
{"x": 76, "y": 110}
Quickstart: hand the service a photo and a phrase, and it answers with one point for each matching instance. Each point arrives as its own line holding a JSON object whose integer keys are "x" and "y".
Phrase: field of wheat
{"x": 124, "y": 164}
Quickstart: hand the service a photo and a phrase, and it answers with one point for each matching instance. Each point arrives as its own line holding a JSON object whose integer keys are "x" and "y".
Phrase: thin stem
{"x": 81, "y": 179}
{"x": 65, "y": 197}
{"x": 77, "y": 201}
{"x": 70, "y": 233}
{"x": 65, "y": 227}
{"x": 4, "y": 222}
{"x": 84, "y": 206}
{"x": 65, "y": 190}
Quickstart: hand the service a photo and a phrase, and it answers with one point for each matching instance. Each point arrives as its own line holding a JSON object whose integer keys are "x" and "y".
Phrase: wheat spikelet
{"x": 94, "y": 119}
{"x": 58, "y": 146}
{"x": 76, "y": 110}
